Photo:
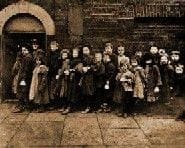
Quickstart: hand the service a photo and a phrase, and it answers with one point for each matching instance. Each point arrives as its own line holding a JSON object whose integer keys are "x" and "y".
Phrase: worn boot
{"x": 87, "y": 110}
{"x": 66, "y": 111}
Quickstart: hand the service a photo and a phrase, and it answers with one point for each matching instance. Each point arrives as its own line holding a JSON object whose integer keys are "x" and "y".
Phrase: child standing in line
{"x": 62, "y": 85}
{"x": 139, "y": 84}
{"x": 87, "y": 83}
{"x": 110, "y": 74}
{"x": 99, "y": 79}
{"x": 39, "y": 86}
{"x": 124, "y": 91}
{"x": 153, "y": 81}
{"x": 74, "y": 94}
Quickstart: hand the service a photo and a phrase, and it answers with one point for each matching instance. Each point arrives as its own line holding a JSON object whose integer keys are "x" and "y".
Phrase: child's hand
{"x": 23, "y": 83}
{"x": 66, "y": 72}
{"x": 85, "y": 69}
{"x": 57, "y": 77}
{"x": 156, "y": 89}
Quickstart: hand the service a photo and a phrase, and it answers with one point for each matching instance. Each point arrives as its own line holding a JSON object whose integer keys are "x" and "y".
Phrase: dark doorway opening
{"x": 11, "y": 41}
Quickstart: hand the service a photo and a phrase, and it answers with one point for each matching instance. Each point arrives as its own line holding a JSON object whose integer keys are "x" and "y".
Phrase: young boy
{"x": 99, "y": 78}
{"x": 124, "y": 91}
{"x": 62, "y": 85}
{"x": 110, "y": 74}
{"x": 87, "y": 83}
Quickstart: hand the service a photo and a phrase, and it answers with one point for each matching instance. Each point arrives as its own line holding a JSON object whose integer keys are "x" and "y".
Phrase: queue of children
{"x": 99, "y": 81}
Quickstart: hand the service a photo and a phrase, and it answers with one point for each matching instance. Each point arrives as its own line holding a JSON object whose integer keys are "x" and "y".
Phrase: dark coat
{"x": 166, "y": 79}
{"x": 179, "y": 79}
{"x": 122, "y": 87}
{"x": 75, "y": 77}
{"x": 153, "y": 79}
{"x": 99, "y": 75}
{"x": 54, "y": 65}
{"x": 41, "y": 95}
{"x": 87, "y": 77}
{"x": 118, "y": 92}
{"x": 110, "y": 75}
{"x": 62, "y": 84}
{"x": 25, "y": 74}
{"x": 114, "y": 59}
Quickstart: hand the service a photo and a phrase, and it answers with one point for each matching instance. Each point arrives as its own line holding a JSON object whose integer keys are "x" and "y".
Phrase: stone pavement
{"x": 52, "y": 129}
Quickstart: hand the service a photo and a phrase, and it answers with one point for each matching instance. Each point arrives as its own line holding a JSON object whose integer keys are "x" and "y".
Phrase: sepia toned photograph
{"x": 92, "y": 73}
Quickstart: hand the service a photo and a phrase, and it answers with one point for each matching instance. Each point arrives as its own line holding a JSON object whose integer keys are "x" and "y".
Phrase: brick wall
{"x": 99, "y": 21}
{"x": 136, "y": 24}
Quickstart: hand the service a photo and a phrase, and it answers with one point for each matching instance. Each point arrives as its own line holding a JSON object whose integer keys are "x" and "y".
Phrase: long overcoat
{"x": 39, "y": 85}
{"x": 25, "y": 76}
{"x": 153, "y": 80}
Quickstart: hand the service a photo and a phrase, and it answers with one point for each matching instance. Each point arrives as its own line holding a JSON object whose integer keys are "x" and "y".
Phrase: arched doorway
{"x": 20, "y": 30}
{"x": 20, "y": 24}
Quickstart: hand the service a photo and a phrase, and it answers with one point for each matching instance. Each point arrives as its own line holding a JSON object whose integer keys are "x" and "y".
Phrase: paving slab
{"x": 167, "y": 146}
{"x": 117, "y": 122}
{"x": 45, "y": 117}
{"x": 2, "y": 117}
{"x": 81, "y": 131}
{"x": 124, "y": 137}
{"x": 79, "y": 114}
{"x": 38, "y": 134}
{"x": 97, "y": 146}
{"x": 163, "y": 131}
{"x": 15, "y": 118}
{"x": 8, "y": 106}
{"x": 7, "y": 131}
{"x": 5, "y": 111}
{"x": 129, "y": 146}
{"x": 110, "y": 115}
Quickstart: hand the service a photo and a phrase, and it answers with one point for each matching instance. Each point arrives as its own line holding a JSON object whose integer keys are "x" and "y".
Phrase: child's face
{"x": 86, "y": 51}
{"x": 35, "y": 46}
{"x": 179, "y": 69}
{"x": 134, "y": 63}
{"x": 123, "y": 68}
{"x": 98, "y": 57}
{"x": 121, "y": 50}
{"x": 153, "y": 50}
{"x": 139, "y": 54}
{"x": 24, "y": 50}
{"x": 108, "y": 49}
{"x": 54, "y": 47}
{"x": 75, "y": 53}
{"x": 64, "y": 56}
{"x": 164, "y": 60}
{"x": 38, "y": 61}
{"x": 162, "y": 52}
{"x": 175, "y": 57}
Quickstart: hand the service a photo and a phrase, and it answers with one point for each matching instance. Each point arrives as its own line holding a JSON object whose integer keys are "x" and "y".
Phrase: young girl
{"x": 121, "y": 56}
{"x": 99, "y": 78}
{"x": 62, "y": 85}
{"x": 139, "y": 79}
{"x": 74, "y": 80}
{"x": 124, "y": 90}
{"x": 166, "y": 71}
{"x": 39, "y": 87}
{"x": 87, "y": 79}
{"x": 24, "y": 80}
{"x": 139, "y": 83}
{"x": 110, "y": 74}
{"x": 153, "y": 81}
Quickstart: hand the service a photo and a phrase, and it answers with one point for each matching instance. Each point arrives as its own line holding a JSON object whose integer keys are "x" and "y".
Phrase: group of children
{"x": 96, "y": 80}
